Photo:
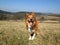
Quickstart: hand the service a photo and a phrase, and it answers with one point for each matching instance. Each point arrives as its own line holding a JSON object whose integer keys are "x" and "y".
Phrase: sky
{"x": 46, "y": 6}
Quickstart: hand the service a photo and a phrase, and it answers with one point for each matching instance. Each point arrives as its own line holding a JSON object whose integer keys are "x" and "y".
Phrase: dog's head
{"x": 30, "y": 18}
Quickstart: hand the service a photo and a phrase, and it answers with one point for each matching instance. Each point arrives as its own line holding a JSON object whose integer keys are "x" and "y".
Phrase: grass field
{"x": 15, "y": 33}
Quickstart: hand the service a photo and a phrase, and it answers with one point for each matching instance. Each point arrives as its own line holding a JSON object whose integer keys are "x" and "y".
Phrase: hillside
{"x": 5, "y": 15}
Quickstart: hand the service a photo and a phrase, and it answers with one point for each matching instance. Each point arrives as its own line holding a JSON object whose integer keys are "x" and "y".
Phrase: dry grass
{"x": 14, "y": 33}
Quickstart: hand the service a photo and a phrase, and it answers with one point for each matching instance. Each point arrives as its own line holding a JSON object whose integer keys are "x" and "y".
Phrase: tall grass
{"x": 15, "y": 33}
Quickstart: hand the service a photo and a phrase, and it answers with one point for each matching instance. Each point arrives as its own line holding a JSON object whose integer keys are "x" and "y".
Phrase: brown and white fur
{"x": 31, "y": 25}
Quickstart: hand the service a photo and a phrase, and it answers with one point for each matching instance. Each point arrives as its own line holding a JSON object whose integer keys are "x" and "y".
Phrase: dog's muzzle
{"x": 30, "y": 20}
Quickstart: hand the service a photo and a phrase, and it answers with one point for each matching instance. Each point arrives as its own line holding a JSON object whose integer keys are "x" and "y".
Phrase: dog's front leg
{"x": 33, "y": 36}
{"x": 30, "y": 36}
{"x": 29, "y": 30}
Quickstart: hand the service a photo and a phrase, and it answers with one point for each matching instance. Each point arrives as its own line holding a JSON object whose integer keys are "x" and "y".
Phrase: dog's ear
{"x": 33, "y": 13}
{"x": 26, "y": 15}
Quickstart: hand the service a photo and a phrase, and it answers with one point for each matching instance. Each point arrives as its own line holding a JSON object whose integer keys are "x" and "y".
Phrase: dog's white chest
{"x": 30, "y": 29}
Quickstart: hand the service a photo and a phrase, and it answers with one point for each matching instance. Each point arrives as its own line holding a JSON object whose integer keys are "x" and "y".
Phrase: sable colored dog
{"x": 31, "y": 25}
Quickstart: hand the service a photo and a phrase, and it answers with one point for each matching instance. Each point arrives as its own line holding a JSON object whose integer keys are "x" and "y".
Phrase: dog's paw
{"x": 30, "y": 38}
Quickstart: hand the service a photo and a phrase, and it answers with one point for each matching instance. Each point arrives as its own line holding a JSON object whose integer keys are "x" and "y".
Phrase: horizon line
{"x": 29, "y": 11}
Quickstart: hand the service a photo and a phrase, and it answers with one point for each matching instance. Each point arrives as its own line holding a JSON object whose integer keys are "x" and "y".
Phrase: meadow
{"x": 15, "y": 33}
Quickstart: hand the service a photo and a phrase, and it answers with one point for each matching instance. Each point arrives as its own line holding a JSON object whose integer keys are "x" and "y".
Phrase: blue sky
{"x": 48, "y": 6}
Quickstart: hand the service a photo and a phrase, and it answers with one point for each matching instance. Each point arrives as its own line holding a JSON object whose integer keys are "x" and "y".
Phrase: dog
{"x": 31, "y": 25}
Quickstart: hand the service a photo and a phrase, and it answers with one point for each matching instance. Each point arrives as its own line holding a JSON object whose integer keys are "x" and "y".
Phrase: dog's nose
{"x": 30, "y": 19}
